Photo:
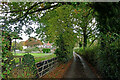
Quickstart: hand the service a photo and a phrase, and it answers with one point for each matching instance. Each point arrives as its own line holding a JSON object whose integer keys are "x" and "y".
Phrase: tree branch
{"x": 92, "y": 42}
{"x": 25, "y": 15}
{"x": 16, "y": 11}
{"x": 40, "y": 9}
{"x": 91, "y": 29}
{"x": 88, "y": 13}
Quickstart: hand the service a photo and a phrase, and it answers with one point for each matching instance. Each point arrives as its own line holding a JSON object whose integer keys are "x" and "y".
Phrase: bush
{"x": 64, "y": 52}
{"x": 89, "y": 53}
{"x": 108, "y": 60}
{"x": 29, "y": 61}
{"x": 26, "y": 69}
{"x": 46, "y": 50}
{"x": 105, "y": 60}
{"x": 79, "y": 50}
{"x": 61, "y": 57}
{"x": 28, "y": 50}
{"x": 35, "y": 49}
{"x": 10, "y": 60}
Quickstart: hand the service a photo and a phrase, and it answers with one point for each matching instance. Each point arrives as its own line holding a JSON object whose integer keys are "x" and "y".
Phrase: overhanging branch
{"x": 92, "y": 42}
{"x": 16, "y": 11}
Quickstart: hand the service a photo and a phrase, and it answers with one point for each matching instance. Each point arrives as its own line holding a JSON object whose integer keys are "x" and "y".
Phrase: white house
{"x": 24, "y": 47}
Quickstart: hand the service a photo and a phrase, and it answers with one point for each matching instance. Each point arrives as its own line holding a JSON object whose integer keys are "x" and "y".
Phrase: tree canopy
{"x": 63, "y": 23}
{"x": 55, "y": 20}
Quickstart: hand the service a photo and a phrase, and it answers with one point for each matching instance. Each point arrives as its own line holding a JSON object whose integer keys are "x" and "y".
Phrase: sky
{"x": 24, "y": 36}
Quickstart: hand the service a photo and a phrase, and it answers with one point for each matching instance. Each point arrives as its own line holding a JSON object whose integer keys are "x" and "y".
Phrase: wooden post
{"x": 15, "y": 47}
{"x": 20, "y": 60}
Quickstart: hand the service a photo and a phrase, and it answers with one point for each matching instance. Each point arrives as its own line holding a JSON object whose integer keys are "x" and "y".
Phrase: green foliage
{"x": 46, "y": 50}
{"x": 109, "y": 56}
{"x": 59, "y": 28}
{"x": 29, "y": 50}
{"x": 62, "y": 57}
{"x": 18, "y": 46}
{"x": 23, "y": 13}
{"x": 65, "y": 50}
{"x": 107, "y": 18}
{"x": 79, "y": 50}
{"x": 29, "y": 61}
{"x": 21, "y": 72}
{"x": 60, "y": 20}
{"x": 57, "y": 21}
{"x": 89, "y": 53}
{"x": 106, "y": 60}
{"x": 7, "y": 56}
{"x": 108, "y": 25}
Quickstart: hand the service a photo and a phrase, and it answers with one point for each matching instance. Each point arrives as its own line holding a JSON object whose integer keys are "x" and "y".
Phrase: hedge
{"x": 46, "y": 50}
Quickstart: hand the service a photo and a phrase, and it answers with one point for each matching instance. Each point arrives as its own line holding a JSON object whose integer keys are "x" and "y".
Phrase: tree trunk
{"x": 85, "y": 39}
{"x": 102, "y": 43}
{"x": 10, "y": 43}
{"x": 92, "y": 42}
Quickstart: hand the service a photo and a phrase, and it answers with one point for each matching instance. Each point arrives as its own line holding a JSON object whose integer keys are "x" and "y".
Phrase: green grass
{"x": 34, "y": 54}
{"x": 37, "y": 59}
{"x": 38, "y": 56}
{"x": 16, "y": 60}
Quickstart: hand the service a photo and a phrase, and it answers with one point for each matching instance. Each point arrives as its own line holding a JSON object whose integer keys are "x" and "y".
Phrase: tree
{"x": 18, "y": 46}
{"x": 58, "y": 28}
{"x": 32, "y": 42}
{"x": 107, "y": 17}
{"x": 22, "y": 43}
{"x": 85, "y": 21}
{"x": 22, "y": 13}
{"x": 55, "y": 16}
{"x": 61, "y": 18}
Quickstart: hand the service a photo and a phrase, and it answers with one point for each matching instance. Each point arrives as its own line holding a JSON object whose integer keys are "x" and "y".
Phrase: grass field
{"x": 38, "y": 56}
{"x": 34, "y": 54}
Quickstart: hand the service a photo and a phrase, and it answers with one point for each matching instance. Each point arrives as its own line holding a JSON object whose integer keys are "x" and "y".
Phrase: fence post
{"x": 20, "y": 60}
{"x": 46, "y": 66}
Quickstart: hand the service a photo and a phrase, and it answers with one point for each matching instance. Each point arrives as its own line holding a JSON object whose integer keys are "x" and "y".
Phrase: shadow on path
{"x": 79, "y": 69}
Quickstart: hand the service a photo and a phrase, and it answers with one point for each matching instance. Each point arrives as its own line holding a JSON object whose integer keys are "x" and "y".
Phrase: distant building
{"x": 47, "y": 45}
{"x": 32, "y": 42}
{"x": 24, "y": 47}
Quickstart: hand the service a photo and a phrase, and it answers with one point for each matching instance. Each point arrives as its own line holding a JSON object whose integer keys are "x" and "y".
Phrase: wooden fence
{"x": 44, "y": 67}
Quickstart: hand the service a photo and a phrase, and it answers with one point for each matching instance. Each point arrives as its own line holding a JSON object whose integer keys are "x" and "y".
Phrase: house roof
{"x": 32, "y": 41}
{"x": 48, "y": 44}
